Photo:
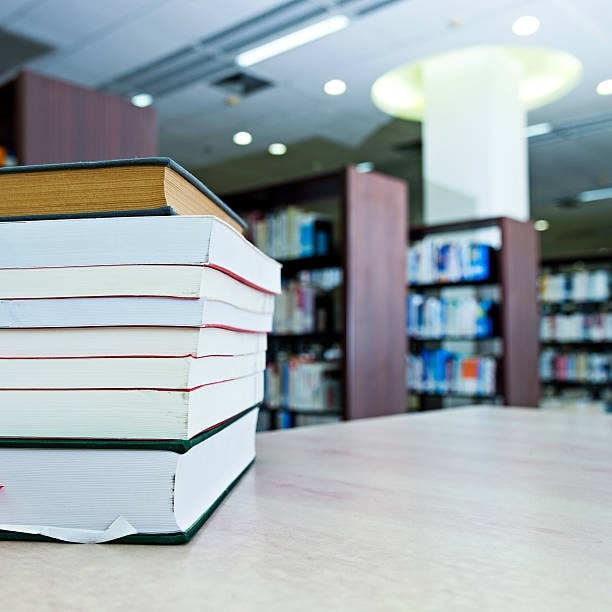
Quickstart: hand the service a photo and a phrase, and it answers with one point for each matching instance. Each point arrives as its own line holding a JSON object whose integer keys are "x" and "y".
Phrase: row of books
{"x": 292, "y": 233}
{"x": 576, "y": 286}
{"x": 443, "y": 372}
{"x": 301, "y": 382}
{"x": 304, "y": 308}
{"x": 132, "y": 353}
{"x": 575, "y": 400}
{"x": 579, "y": 367}
{"x": 432, "y": 260}
{"x": 278, "y": 418}
{"x": 576, "y": 327}
{"x": 7, "y": 157}
{"x": 432, "y": 317}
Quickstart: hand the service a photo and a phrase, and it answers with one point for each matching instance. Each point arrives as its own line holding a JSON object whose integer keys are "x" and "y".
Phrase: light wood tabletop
{"x": 466, "y": 509}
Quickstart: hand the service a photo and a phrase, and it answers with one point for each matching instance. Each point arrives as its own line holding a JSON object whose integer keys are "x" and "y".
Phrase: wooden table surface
{"x": 467, "y": 509}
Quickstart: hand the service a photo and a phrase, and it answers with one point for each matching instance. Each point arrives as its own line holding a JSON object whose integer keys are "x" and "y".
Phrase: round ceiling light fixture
{"x": 546, "y": 75}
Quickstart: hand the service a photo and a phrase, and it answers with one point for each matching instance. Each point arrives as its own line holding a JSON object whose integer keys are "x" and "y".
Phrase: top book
{"x": 122, "y": 187}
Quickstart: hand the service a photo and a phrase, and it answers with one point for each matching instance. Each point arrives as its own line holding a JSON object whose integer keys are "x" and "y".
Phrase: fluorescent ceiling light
{"x": 526, "y": 26}
{"x": 335, "y": 87}
{"x": 242, "y": 138}
{"x": 277, "y": 148}
{"x": 605, "y": 88}
{"x": 538, "y": 129}
{"x": 595, "y": 194}
{"x": 293, "y": 40}
{"x": 142, "y": 100}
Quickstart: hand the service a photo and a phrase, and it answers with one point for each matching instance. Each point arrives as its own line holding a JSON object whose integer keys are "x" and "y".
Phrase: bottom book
{"x": 141, "y": 491}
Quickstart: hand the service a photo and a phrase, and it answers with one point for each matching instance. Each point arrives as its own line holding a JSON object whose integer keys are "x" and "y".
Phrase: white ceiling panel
{"x": 10, "y": 9}
{"x": 65, "y": 23}
{"x": 96, "y": 42}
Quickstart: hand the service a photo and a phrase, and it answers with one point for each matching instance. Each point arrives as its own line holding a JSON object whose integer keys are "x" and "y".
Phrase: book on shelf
{"x": 150, "y": 491}
{"x": 436, "y": 260}
{"x": 576, "y": 327}
{"x": 292, "y": 233}
{"x": 430, "y": 317}
{"x": 301, "y": 382}
{"x": 442, "y": 372}
{"x": 140, "y": 186}
{"x": 575, "y": 285}
{"x": 579, "y": 367}
{"x": 131, "y": 372}
{"x": 106, "y": 241}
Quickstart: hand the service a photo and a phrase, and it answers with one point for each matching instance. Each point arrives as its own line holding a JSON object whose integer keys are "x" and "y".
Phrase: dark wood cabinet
{"x": 368, "y": 212}
{"x": 44, "y": 120}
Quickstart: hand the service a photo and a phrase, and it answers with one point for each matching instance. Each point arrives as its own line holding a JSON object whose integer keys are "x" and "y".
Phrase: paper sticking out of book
{"x": 119, "y": 528}
{"x": 163, "y": 490}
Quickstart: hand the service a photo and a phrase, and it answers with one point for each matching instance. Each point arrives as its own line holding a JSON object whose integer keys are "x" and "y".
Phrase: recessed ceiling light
{"x": 277, "y": 148}
{"x": 605, "y": 88}
{"x": 242, "y": 138}
{"x": 541, "y": 225}
{"x": 335, "y": 87}
{"x": 142, "y": 100}
{"x": 526, "y": 26}
{"x": 364, "y": 167}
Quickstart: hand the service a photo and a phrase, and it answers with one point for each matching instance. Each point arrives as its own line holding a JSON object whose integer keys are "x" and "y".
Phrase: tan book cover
{"x": 122, "y": 187}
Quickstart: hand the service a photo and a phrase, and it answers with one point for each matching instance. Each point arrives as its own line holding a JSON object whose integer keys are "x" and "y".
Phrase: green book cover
{"x": 133, "y": 491}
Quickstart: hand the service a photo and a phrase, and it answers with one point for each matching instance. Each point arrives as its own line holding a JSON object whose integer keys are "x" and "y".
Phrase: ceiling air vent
{"x": 241, "y": 84}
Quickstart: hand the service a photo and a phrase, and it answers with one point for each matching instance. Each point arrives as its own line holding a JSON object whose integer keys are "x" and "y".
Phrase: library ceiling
{"x": 191, "y": 56}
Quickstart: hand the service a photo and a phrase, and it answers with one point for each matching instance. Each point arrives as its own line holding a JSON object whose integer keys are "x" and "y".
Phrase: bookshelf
{"x": 44, "y": 120}
{"x": 472, "y": 314}
{"x": 576, "y": 333}
{"x": 359, "y": 304}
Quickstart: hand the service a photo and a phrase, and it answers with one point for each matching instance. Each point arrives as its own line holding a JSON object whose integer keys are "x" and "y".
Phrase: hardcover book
{"x": 119, "y": 311}
{"x": 126, "y": 413}
{"x": 103, "y": 490}
{"x": 175, "y": 240}
{"x": 165, "y": 373}
{"x": 140, "y": 186}
{"x": 121, "y": 341}
{"x": 132, "y": 352}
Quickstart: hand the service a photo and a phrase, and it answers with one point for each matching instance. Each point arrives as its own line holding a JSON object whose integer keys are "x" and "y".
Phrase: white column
{"x": 474, "y": 144}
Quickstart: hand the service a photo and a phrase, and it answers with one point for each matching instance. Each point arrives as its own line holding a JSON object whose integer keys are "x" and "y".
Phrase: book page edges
{"x": 28, "y": 532}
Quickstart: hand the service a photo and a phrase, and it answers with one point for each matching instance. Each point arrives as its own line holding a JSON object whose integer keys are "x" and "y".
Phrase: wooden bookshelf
{"x": 514, "y": 273}
{"x": 369, "y": 213}
{"x": 44, "y": 120}
{"x": 575, "y": 360}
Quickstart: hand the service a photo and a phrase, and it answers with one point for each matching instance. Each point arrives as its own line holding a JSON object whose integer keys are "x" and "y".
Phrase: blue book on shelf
{"x": 479, "y": 266}
{"x": 484, "y": 321}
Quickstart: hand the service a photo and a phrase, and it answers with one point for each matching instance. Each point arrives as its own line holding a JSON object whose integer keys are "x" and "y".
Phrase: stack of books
{"x": 132, "y": 356}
